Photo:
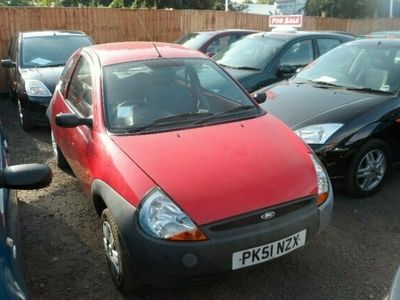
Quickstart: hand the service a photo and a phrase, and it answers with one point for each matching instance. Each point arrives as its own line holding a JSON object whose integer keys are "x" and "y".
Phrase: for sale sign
{"x": 289, "y": 20}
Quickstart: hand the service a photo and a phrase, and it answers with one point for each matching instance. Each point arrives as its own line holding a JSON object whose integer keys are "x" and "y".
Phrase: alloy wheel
{"x": 371, "y": 170}
{"x": 110, "y": 249}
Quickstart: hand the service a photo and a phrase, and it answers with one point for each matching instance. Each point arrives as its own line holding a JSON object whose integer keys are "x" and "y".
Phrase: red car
{"x": 190, "y": 176}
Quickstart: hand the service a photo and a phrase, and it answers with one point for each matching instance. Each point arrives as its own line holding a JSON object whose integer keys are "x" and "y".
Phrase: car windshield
{"x": 164, "y": 94}
{"x": 194, "y": 40}
{"x": 50, "y": 51}
{"x": 250, "y": 53}
{"x": 373, "y": 67}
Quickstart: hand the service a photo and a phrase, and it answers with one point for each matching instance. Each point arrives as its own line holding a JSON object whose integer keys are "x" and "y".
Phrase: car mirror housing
{"x": 8, "y": 63}
{"x": 286, "y": 70}
{"x": 260, "y": 97}
{"x": 26, "y": 177}
{"x": 72, "y": 120}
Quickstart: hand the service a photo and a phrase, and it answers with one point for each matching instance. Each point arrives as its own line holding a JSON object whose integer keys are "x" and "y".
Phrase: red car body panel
{"x": 220, "y": 171}
{"x": 213, "y": 172}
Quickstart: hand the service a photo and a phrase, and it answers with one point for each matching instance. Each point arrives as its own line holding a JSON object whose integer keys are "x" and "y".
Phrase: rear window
{"x": 194, "y": 40}
{"x": 50, "y": 51}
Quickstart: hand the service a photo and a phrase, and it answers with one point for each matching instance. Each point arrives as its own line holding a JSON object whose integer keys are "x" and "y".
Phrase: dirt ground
{"x": 355, "y": 258}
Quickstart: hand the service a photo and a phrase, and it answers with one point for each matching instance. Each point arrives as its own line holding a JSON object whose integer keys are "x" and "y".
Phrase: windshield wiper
{"x": 170, "y": 120}
{"x": 368, "y": 90}
{"x": 325, "y": 84}
{"x": 240, "y": 68}
{"x": 225, "y": 113}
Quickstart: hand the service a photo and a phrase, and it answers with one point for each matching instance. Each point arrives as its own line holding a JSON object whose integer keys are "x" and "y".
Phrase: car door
{"x": 76, "y": 143}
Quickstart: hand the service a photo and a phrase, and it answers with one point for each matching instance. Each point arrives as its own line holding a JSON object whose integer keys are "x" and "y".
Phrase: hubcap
{"x": 54, "y": 145}
{"x": 21, "y": 116}
{"x": 371, "y": 170}
{"x": 110, "y": 249}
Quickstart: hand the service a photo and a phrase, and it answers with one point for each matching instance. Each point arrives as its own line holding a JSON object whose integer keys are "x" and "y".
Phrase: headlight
{"x": 162, "y": 218}
{"x": 318, "y": 134}
{"x": 323, "y": 180}
{"x": 36, "y": 88}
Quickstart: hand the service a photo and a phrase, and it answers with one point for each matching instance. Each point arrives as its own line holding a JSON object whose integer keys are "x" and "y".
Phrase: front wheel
{"x": 118, "y": 262}
{"x": 58, "y": 155}
{"x": 25, "y": 121}
{"x": 369, "y": 168}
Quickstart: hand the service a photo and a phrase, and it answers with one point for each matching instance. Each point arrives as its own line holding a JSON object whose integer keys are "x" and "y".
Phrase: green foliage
{"x": 220, "y": 5}
{"x": 16, "y": 3}
{"x": 116, "y": 4}
{"x": 270, "y": 2}
{"x": 341, "y": 8}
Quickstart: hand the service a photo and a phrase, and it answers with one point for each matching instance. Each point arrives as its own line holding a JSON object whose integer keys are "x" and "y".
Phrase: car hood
{"x": 248, "y": 78}
{"x": 300, "y": 105}
{"x": 49, "y": 76}
{"x": 219, "y": 171}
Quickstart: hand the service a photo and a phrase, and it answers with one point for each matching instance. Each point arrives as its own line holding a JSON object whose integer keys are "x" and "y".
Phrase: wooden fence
{"x": 112, "y": 25}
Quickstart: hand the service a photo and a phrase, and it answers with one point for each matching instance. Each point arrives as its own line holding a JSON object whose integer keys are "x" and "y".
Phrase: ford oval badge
{"x": 267, "y": 215}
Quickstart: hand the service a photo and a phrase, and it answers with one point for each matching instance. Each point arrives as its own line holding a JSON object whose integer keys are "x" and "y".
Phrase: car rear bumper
{"x": 167, "y": 263}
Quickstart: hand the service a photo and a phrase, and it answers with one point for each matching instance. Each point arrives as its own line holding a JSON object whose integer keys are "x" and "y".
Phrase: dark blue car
{"x": 27, "y": 176}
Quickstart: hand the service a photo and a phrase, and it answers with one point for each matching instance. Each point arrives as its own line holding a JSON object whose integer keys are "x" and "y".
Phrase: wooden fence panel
{"x": 113, "y": 25}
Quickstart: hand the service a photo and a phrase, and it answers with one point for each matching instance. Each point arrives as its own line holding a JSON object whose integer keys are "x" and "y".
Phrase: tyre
{"x": 369, "y": 169}
{"x": 60, "y": 158}
{"x": 25, "y": 121}
{"x": 118, "y": 261}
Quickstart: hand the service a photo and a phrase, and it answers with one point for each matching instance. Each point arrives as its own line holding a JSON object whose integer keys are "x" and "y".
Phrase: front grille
{"x": 255, "y": 217}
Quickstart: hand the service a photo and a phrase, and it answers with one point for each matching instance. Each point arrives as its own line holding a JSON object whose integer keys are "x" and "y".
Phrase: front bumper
{"x": 166, "y": 263}
{"x": 35, "y": 108}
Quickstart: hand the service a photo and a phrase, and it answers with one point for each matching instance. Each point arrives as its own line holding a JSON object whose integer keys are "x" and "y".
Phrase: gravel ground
{"x": 355, "y": 258}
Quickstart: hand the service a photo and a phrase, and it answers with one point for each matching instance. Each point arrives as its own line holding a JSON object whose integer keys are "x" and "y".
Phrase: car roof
{"x": 287, "y": 36}
{"x": 377, "y": 41}
{"x": 41, "y": 33}
{"x": 114, "y": 53}
{"x": 219, "y": 31}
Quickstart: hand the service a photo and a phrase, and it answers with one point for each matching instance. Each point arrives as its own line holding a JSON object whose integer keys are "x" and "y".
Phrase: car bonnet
{"x": 219, "y": 171}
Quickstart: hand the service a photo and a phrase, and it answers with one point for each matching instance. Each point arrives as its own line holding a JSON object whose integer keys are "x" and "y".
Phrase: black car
{"x": 264, "y": 58}
{"x": 28, "y": 176}
{"x": 213, "y": 41}
{"x": 36, "y": 60}
{"x": 346, "y": 106}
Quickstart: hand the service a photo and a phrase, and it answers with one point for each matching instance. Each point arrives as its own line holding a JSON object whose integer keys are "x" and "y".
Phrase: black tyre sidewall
{"x": 352, "y": 185}
{"x": 127, "y": 280}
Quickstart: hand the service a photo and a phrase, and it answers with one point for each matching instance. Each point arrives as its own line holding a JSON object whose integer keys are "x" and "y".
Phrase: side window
{"x": 299, "y": 54}
{"x": 65, "y": 75}
{"x": 80, "y": 88}
{"x": 325, "y": 44}
{"x": 220, "y": 44}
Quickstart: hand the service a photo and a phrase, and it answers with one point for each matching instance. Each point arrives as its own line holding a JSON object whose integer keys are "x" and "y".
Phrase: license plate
{"x": 260, "y": 254}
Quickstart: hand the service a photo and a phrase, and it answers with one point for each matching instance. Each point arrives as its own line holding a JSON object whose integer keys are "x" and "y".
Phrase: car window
{"x": 13, "y": 49}
{"x": 80, "y": 88}
{"x": 251, "y": 52}
{"x": 221, "y": 44}
{"x": 299, "y": 54}
{"x": 194, "y": 40}
{"x": 65, "y": 75}
{"x": 327, "y": 44}
{"x": 48, "y": 51}
{"x": 137, "y": 94}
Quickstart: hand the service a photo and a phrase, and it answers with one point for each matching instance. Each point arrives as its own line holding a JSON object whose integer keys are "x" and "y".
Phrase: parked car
{"x": 34, "y": 64}
{"x": 395, "y": 290}
{"x": 264, "y": 58}
{"x": 213, "y": 41}
{"x": 27, "y": 176}
{"x": 346, "y": 106}
{"x": 190, "y": 176}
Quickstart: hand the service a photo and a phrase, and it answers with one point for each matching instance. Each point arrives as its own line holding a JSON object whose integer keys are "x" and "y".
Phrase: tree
{"x": 341, "y": 8}
{"x": 220, "y": 5}
{"x": 270, "y": 2}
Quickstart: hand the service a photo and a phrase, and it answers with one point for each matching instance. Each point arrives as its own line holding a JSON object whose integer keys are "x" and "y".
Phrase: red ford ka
{"x": 191, "y": 178}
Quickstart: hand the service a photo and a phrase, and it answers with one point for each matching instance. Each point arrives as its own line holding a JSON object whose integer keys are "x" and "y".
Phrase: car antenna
{"x": 148, "y": 34}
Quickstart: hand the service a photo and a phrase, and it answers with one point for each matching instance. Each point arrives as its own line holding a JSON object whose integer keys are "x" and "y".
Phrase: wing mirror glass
{"x": 286, "y": 70}
{"x": 8, "y": 63}
{"x": 260, "y": 97}
{"x": 26, "y": 177}
{"x": 72, "y": 120}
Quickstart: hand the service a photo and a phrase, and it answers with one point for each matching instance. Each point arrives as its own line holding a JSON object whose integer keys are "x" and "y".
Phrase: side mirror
{"x": 26, "y": 177}
{"x": 72, "y": 120}
{"x": 286, "y": 70}
{"x": 8, "y": 63}
{"x": 260, "y": 97}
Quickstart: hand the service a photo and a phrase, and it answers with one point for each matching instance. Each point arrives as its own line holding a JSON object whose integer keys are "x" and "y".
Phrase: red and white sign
{"x": 289, "y": 20}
